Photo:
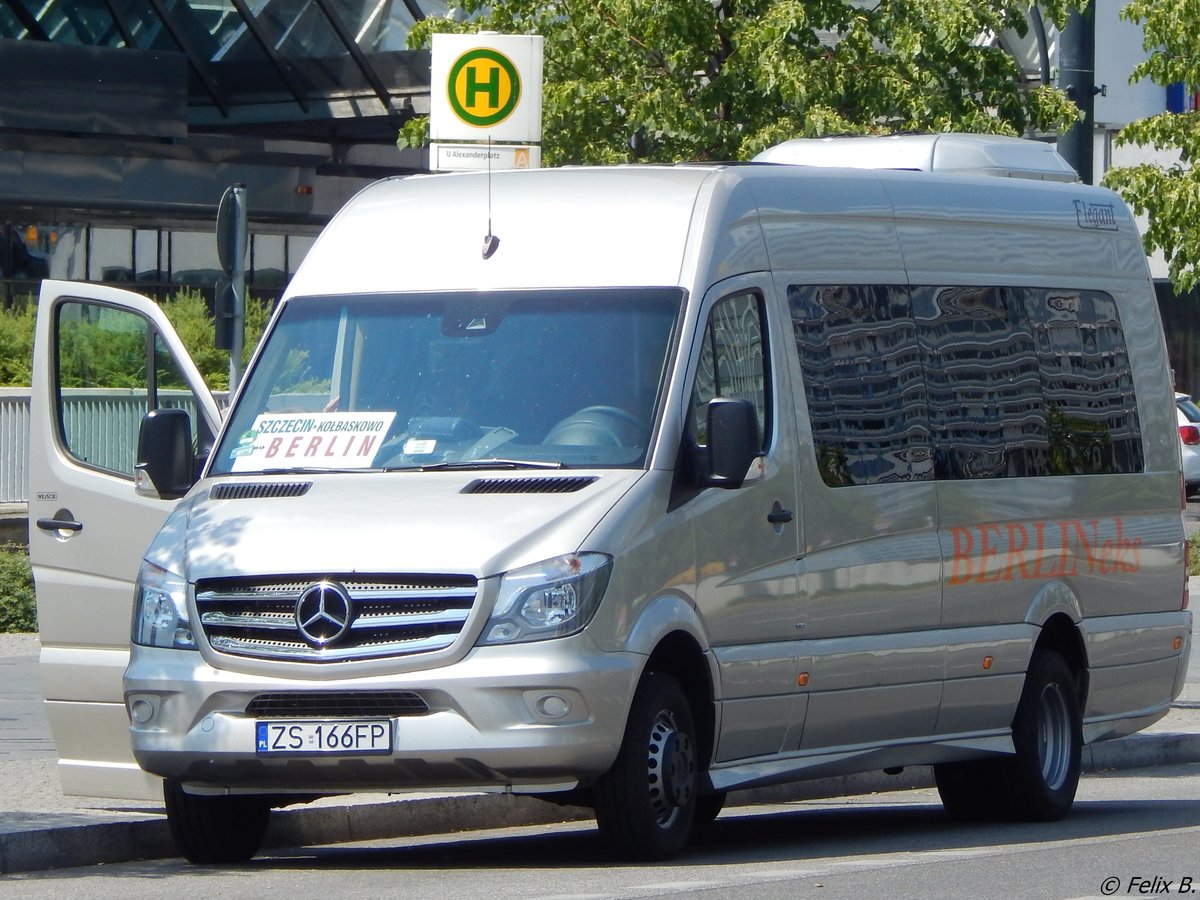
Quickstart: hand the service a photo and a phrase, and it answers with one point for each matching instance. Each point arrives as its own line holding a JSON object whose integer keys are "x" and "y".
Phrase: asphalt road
{"x": 24, "y": 732}
{"x": 1127, "y": 830}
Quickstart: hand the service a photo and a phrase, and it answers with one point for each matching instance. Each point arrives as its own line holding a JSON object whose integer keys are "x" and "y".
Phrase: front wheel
{"x": 708, "y": 807}
{"x": 646, "y": 802}
{"x": 215, "y": 830}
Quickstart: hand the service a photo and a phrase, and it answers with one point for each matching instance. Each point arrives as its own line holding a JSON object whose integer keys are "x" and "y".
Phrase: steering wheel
{"x": 594, "y": 425}
{"x": 615, "y": 411}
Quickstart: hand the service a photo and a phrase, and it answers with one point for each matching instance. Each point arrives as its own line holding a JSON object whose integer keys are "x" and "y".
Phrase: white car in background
{"x": 1189, "y": 440}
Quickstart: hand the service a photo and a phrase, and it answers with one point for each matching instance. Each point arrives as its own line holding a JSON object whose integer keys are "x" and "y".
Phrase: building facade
{"x": 122, "y": 122}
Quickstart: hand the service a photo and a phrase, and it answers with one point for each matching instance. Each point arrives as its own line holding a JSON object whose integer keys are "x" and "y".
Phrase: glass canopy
{"x": 247, "y": 54}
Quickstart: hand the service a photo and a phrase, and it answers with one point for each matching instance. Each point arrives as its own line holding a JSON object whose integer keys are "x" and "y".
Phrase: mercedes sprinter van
{"x": 625, "y": 487}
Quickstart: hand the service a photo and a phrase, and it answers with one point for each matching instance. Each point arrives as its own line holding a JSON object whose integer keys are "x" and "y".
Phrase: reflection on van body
{"x": 780, "y": 473}
{"x": 965, "y": 362}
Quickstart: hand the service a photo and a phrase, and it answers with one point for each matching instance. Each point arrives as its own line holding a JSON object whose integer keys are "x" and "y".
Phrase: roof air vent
{"x": 961, "y": 154}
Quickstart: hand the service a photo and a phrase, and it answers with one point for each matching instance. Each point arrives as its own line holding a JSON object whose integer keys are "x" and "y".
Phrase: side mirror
{"x": 166, "y": 462}
{"x": 733, "y": 441}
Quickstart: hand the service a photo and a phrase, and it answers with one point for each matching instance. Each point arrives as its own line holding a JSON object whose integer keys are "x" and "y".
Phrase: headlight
{"x": 548, "y": 600}
{"x": 160, "y": 616}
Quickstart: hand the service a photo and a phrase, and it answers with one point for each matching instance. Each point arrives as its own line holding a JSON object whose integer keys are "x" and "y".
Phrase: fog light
{"x": 141, "y": 709}
{"x": 552, "y": 706}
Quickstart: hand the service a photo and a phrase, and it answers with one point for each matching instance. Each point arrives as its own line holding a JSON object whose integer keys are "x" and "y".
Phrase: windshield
{"x": 487, "y": 380}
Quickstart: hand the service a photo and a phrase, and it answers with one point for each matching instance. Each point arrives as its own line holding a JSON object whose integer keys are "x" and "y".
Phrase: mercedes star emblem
{"x": 323, "y": 613}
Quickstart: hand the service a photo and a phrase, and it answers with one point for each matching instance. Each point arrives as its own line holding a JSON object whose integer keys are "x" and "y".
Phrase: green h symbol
{"x": 500, "y": 80}
{"x": 491, "y": 87}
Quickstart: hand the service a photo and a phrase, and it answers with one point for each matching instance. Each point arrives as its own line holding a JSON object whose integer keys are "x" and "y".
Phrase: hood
{"x": 470, "y": 523}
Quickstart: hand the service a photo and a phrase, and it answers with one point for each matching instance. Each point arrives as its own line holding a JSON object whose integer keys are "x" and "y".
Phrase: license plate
{"x": 351, "y": 737}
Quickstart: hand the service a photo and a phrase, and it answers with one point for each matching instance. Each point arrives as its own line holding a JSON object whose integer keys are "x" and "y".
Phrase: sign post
{"x": 485, "y": 109}
{"x": 229, "y": 304}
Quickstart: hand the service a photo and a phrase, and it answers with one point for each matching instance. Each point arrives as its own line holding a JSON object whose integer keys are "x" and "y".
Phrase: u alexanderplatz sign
{"x": 486, "y": 101}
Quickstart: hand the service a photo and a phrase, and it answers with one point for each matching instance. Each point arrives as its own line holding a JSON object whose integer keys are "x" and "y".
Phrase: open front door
{"x": 102, "y": 359}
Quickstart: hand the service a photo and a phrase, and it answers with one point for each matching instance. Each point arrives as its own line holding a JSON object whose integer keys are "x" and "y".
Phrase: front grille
{"x": 389, "y": 616}
{"x": 336, "y": 704}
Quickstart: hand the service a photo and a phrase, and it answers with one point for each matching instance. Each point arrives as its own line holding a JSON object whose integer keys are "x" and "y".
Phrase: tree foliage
{"x": 18, "y": 609}
{"x": 112, "y": 359}
{"x": 16, "y": 344}
{"x": 188, "y": 313}
{"x": 724, "y": 79}
{"x": 1167, "y": 194}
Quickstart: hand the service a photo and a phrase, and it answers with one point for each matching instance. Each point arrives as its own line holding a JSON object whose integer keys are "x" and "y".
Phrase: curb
{"x": 67, "y": 845}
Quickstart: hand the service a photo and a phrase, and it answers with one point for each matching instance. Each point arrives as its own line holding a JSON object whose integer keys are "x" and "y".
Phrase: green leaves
{"x": 705, "y": 82}
{"x": 1166, "y": 193}
{"x": 1170, "y": 28}
{"x": 16, "y": 342}
{"x": 102, "y": 353}
{"x": 1169, "y": 196}
{"x": 18, "y": 609}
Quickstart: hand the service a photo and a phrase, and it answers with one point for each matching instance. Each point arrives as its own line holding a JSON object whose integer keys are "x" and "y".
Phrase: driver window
{"x": 732, "y": 362}
{"x": 112, "y": 370}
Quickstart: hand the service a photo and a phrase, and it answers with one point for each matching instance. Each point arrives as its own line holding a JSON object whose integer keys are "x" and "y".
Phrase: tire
{"x": 1048, "y": 734}
{"x": 646, "y": 803}
{"x": 215, "y": 830}
{"x": 969, "y": 789}
{"x": 1038, "y": 783}
{"x": 708, "y": 807}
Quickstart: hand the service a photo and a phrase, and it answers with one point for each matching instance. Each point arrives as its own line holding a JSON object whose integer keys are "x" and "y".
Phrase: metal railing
{"x": 14, "y": 445}
{"x": 101, "y": 425}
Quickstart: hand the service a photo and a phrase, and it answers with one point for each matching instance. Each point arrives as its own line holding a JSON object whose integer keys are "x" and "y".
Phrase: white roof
{"x": 583, "y": 227}
{"x": 691, "y": 226}
{"x": 978, "y": 154}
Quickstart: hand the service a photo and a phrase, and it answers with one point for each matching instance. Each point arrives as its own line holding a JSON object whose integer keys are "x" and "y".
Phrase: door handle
{"x": 778, "y": 515}
{"x": 63, "y": 520}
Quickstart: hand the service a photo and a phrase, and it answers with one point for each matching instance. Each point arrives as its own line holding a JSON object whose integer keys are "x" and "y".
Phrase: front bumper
{"x": 488, "y": 725}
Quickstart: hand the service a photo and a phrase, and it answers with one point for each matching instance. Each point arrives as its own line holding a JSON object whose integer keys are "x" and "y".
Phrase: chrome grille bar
{"x": 390, "y": 616}
{"x": 302, "y": 651}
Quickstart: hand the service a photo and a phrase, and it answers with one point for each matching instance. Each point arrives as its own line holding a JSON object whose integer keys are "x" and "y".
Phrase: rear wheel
{"x": 646, "y": 802}
{"x": 1038, "y": 783}
{"x": 1048, "y": 735}
{"x": 215, "y": 829}
{"x": 968, "y": 789}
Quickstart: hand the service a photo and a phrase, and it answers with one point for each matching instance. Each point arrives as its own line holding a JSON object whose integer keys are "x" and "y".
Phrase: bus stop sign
{"x": 486, "y": 87}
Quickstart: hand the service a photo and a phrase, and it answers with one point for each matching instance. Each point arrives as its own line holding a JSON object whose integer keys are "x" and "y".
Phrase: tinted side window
{"x": 1090, "y": 406}
{"x": 861, "y": 364}
{"x": 985, "y": 391}
{"x": 964, "y": 382}
{"x": 733, "y": 362}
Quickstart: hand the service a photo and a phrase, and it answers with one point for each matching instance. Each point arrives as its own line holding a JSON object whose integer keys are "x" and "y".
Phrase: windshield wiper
{"x": 312, "y": 470}
{"x": 468, "y": 465}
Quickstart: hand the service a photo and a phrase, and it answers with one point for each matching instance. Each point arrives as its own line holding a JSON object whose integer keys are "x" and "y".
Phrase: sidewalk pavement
{"x": 42, "y": 829}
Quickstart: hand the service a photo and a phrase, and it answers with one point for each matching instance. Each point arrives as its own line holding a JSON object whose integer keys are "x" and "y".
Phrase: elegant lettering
{"x": 1096, "y": 216}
